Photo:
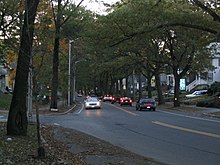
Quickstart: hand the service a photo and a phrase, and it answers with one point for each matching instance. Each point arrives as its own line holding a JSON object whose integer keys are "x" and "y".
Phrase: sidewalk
{"x": 192, "y": 109}
{"x": 43, "y": 109}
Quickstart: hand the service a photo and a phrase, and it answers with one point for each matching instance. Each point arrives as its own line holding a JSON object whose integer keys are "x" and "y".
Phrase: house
{"x": 3, "y": 74}
{"x": 193, "y": 81}
{"x": 7, "y": 75}
{"x": 212, "y": 75}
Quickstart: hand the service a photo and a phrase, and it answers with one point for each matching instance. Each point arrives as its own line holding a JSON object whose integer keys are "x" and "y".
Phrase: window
{"x": 210, "y": 76}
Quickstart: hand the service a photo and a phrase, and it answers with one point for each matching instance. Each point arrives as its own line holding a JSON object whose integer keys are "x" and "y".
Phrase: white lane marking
{"x": 187, "y": 129}
{"x": 80, "y": 109}
{"x": 187, "y": 116}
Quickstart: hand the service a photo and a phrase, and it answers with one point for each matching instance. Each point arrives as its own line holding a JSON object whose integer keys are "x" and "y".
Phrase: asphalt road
{"x": 167, "y": 137}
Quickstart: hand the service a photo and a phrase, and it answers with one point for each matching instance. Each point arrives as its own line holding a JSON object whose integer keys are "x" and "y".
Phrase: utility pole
{"x": 69, "y": 73}
{"x": 74, "y": 82}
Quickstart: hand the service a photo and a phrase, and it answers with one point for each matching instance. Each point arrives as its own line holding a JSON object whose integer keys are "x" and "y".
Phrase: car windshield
{"x": 92, "y": 100}
{"x": 146, "y": 101}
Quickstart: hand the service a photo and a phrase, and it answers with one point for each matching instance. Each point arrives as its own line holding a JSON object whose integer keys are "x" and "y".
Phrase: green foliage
{"x": 206, "y": 103}
{"x": 5, "y": 101}
{"x": 214, "y": 88}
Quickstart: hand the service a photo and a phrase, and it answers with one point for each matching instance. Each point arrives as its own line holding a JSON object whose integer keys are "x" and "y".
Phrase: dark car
{"x": 146, "y": 103}
{"x": 125, "y": 101}
{"x": 115, "y": 99}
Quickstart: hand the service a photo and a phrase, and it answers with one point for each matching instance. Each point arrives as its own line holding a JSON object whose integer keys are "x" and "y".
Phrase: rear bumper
{"x": 147, "y": 107}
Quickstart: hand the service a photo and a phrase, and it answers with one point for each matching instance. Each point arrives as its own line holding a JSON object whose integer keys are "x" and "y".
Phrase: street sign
{"x": 182, "y": 84}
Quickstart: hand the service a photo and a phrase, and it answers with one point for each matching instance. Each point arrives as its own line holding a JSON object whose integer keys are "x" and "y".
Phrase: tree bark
{"x": 140, "y": 87}
{"x": 53, "y": 103}
{"x": 159, "y": 89}
{"x": 17, "y": 119}
{"x": 149, "y": 88}
{"x": 176, "y": 102}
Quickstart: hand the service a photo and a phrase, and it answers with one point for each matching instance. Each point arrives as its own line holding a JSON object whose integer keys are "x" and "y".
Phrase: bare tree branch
{"x": 198, "y": 27}
{"x": 215, "y": 16}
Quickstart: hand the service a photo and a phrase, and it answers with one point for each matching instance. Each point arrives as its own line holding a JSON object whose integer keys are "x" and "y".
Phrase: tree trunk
{"x": 159, "y": 89}
{"x": 140, "y": 87}
{"x": 17, "y": 119}
{"x": 53, "y": 103}
{"x": 176, "y": 102}
{"x": 149, "y": 88}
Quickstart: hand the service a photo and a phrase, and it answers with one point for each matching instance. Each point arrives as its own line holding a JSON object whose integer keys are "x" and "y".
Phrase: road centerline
{"x": 187, "y": 129}
{"x": 127, "y": 111}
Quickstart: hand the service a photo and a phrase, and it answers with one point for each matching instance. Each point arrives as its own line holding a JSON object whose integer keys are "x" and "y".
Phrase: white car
{"x": 92, "y": 103}
{"x": 196, "y": 94}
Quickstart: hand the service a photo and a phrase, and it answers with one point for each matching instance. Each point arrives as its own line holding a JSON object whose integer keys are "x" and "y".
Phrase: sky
{"x": 97, "y": 6}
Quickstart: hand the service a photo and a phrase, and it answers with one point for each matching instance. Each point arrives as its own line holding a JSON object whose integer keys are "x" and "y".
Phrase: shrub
{"x": 5, "y": 101}
{"x": 214, "y": 88}
{"x": 205, "y": 103}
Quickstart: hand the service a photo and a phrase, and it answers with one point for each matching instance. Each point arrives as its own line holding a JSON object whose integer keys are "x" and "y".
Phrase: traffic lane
{"x": 210, "y": 126}
{"x": 137, "y": 133}
{"x": 92, "y": 121}
{"x": 192, "y": 144}
{"x": 178, "y": 124}
{"x": 183, "y": 123}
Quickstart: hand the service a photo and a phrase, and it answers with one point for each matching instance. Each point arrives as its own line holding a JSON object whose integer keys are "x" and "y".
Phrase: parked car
{"x": 79, "y": 95}
{"x": 107, "y": 98}
{"x": 125, "y": 101}
{"x": 146, "y": 103}
{"x": 92, "y": 102}
{"x": 197, "y": 93}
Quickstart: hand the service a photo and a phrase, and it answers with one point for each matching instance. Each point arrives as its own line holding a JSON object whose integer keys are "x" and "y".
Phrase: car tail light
{"x": 130, "y": 101}
{"x": 148, "y": 104}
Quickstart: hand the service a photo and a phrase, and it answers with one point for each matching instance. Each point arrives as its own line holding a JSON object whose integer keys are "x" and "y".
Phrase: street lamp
{"x": 74, "y": 79}
{"x": 69, "y": 80}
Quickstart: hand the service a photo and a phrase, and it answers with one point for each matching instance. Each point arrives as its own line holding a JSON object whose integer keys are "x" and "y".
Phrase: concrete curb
{"x": 62, "y": 113}
{"x": 211, "y": 115}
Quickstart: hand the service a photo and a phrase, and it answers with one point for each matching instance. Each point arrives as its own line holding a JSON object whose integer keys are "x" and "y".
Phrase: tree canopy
{"x": 136, "y": 36}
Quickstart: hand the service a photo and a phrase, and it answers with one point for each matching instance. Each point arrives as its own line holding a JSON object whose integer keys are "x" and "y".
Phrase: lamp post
{"x": 69, "y": 73}
{"x": 74, "y": 82}
{"x": 74, "y": 78}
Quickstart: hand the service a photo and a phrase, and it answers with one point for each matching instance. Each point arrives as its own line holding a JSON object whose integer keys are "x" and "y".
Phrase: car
{"x": 146, "y": 103}
{"x": 107, "y": 98}
{"x": 125, "y": 101}
{"x": 92, "y": 103}
{"x": 197, "y": 93}
{"x": 116, "y": 99}
{"x": 113, "y": 100}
